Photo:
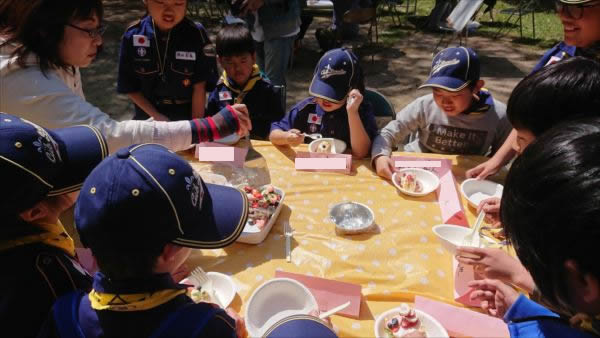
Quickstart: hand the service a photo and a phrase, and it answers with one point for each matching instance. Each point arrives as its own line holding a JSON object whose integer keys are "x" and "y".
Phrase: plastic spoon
{"x": 472, "y": 238}
{"x": 334, "y": 310}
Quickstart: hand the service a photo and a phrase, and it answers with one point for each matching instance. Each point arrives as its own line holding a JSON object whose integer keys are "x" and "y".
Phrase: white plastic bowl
{"x": 475, "y": 190}
{"x": 451, "y": 236}
{"x": 340, "y": 146}
{"x": 274, "y": 300}
{"x": 222, "y": 284}
{"x": 432, "y": 327}
{"x": 429, "y": 181}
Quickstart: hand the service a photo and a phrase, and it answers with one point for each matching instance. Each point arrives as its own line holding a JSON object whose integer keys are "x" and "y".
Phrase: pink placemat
{"x": 347, "y": 157}
{"x": 239, "y": 154}
{"x": 329, "y": 293}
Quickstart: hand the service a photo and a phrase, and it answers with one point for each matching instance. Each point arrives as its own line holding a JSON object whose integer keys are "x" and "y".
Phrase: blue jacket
{"x": 526, "y": 318}
{"x": 558, "y": 52}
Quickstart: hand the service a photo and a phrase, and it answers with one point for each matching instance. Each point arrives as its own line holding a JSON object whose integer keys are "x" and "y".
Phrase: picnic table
{"x": 401, "y": 260}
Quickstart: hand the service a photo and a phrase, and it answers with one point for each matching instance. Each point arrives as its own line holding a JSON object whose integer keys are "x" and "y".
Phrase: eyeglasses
{"x": 573, "y": 11}
{"x": 93, "y": 33}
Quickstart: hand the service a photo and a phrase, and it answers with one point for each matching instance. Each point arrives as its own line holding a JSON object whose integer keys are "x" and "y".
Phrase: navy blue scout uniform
{"x": 263, "y": 102}
{"x": 308, "y": 117}
{"x": 562, "y": 51}
{"x": 163, "y": 66}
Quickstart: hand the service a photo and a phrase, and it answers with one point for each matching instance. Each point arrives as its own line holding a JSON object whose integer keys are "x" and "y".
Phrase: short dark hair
{"x": 233, "y": 40}
{"x": 563, "y": 91}
{"x": 40, "y": 26}
{"x": 550, "y": 209}
{"x": 119, "y": 265}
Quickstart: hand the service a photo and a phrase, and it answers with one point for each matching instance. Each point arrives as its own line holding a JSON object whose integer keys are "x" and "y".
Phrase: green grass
{"x": 548, "y": 29}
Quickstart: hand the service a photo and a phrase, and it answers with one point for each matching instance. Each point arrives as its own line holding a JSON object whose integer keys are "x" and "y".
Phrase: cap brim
{"x": 222, "y": 219}
{"x": 324, "y": 91}
{"x": 575, "y": 2}
{"x": 446, "y": 83}
{"x": 82, "y": 148}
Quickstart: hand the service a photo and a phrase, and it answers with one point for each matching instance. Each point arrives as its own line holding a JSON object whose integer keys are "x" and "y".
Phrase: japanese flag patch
{"x": 314, "y": 118}
{"x": 141, "y": 41}
{"x": 224, "y": 96}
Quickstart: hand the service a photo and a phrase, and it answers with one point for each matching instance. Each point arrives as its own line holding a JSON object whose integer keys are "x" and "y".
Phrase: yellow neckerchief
{"x": 54, "y": 235}
{"x": 133, "y": 301}
{"x": 254, "y": 77}
{"x": 586, "y": 323}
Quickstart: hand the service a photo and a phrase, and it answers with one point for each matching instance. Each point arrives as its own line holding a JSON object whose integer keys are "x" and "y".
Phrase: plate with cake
{"x": 327, "y": 146}
{"x": 415, "y": 181}
{"x": 404, "y": 321}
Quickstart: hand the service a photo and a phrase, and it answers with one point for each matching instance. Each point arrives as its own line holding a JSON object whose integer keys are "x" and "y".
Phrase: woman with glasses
{"x": 581, "y": 26}
{"x": 43, "y": 43}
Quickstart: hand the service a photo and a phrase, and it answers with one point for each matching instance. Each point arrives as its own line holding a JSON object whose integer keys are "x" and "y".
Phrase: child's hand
{"x": 384, "y": 166}
{"x": 181, "y": 272}
{"x": 240, "y": 324}
{"x": 294, "y": 137}
{"x": 354, "y": 100}
{"x": 496, "y": 264}
{"x": 485, "y": 169}
{"x": 496, "y": 297}
{"x": 491, "y": 207}
{"x": 243, "y": 116}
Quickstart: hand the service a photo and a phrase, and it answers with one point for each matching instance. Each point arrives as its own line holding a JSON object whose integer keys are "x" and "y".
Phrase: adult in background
{"x": 42, "y": 46}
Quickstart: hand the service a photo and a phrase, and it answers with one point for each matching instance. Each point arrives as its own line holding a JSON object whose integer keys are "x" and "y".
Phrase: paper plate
{"x": 429, "y": 181}
{"x": 274, "y": 300}
{"x": 432, "y": 327}
{"x": 222, "y": 284}
{"x": 340, "y": 146}
{"x": 475, "y": 190}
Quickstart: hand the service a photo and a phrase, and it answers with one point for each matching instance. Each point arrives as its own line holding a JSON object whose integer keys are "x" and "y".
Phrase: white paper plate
{"x": 340, "y": 146}
{"x": 429, "y": 181}
{"x": 223, "y": 285}
{"x": 475, "y": 190}
{"x": 274, "y": 300}
{"x": 432, "y": 327}
{"x": 251, "y": 233}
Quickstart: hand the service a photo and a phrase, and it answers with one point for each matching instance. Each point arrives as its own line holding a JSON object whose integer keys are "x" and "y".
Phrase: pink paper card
{"x": 450, "y": 203}
{"x": 329, "y": 293}
{"x": 323, "y": 162}
{"x": 205, "y": 152}
{"x": 418, "y": 164}
{"x": 463, "y": 274}
{"x": 462, "y": 322}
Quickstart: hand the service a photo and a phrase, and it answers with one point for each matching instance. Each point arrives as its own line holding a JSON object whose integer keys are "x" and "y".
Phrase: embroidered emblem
{"x": 45, "y": 144}
{"x": 191, "y": 56}
{"x": 314, "y": 118}
{"x": 194, "y": 186}
{"x": 443, "y": 64}
{"x": 186, "y": 82}
{"x": 328, "y": 72}
{"x": 224, "y": 96}
{"x": 141, "y": 41}
{"x": 141, "y": 51}
{"x": 312, "y": 127}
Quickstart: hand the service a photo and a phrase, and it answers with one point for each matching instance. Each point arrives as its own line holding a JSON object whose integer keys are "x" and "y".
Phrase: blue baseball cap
{"x": 453, "y": 69}
{"x": 300, "y": 326}
{"x": 145, "y": 196}
{"x": 37, "y": 163}
{"x": 336, "y": 74}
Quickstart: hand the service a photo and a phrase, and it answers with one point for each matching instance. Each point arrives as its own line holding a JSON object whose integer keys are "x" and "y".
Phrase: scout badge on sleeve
{"x": 141, "y": 41}
{"x": 314, "y": 121}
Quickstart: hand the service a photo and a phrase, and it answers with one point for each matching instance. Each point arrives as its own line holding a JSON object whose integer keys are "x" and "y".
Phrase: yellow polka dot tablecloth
{"x": 401, "y": 259}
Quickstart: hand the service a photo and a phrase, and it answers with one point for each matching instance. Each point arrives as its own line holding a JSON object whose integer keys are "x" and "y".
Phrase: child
{"x": 140, "y": 211}
{"x": 550, "y": 213}
{"x": 242, "y": 82}
{"x": 581, "y": 23}
{"x": 42, "y": 171}
{"x": 459, "y": 118}
{"x": 162, "y": 67}
{"x": 334, "y": 109}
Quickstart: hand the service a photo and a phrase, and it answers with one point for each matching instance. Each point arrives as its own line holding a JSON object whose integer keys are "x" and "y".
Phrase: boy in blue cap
{"x": 460, "y": 117}
{"x": 242, "y": 82}
{"x": 140, "y": 212}
{"x": 162, "y": 66}
{"x": 42, "y": 171}
{"x": 335, "y": 108}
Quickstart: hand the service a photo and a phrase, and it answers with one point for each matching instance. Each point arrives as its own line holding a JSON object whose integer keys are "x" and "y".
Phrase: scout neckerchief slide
{"x": 53, "y": 234}
{"x": 254, "y": 77}
{"x": 132, "y": 302}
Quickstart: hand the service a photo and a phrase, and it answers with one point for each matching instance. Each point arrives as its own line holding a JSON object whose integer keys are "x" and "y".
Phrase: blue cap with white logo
{"x": 145, "y": 196}
{"x": 300, "y": 326}
{"x": 37, "y": 163}
{"x": 335, "y": 75}
{"x": 453, "y": 69}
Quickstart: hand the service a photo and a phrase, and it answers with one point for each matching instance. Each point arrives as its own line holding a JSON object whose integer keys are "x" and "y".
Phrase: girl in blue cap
{"x": 335, "y": 108}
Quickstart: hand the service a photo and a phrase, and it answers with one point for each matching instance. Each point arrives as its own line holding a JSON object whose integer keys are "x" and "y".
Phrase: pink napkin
{"x": 239, "y": 154}
{"x": 347, "y": 157}
{"x": 461, "y": 321}
{"x": 329, "y": 293}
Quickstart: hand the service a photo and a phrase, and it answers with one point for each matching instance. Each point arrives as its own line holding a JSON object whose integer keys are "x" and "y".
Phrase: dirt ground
{"x": 396, "y": 70}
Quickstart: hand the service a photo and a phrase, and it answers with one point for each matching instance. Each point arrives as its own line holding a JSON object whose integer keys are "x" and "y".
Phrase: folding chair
{"x": 363, "y": 16}
{"x": 525, "y": 7}
{"x": 457, "y": 21}
{"x": 382, "y": 107}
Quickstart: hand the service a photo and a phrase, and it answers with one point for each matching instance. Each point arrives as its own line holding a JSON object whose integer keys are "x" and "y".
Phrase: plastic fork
{"x": 472, "y": 238}
{"x": 205, "y": 284}
{"x": 334, "y": 310}
{"x": 314, "y": 136}
{"x": 289, "y": 232}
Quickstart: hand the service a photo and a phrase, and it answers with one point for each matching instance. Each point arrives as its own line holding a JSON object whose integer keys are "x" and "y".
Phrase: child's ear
{"x": 478, "y": 85}
{"x": 170, "y": 251}
{"x": 219, "y": 59}
{"x": 37, "y": 212}
{"x": 585, "y": 286}
{"x": 253, "y": 55}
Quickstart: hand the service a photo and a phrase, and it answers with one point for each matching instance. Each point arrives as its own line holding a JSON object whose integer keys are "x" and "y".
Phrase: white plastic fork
{"x": 472, "y": 238}
{"x": 288, "y": 232}
{"x": 205, "y": 283}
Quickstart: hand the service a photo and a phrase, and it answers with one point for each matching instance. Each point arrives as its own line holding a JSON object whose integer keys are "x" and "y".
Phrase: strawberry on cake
{"x": 404, "y": 324}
